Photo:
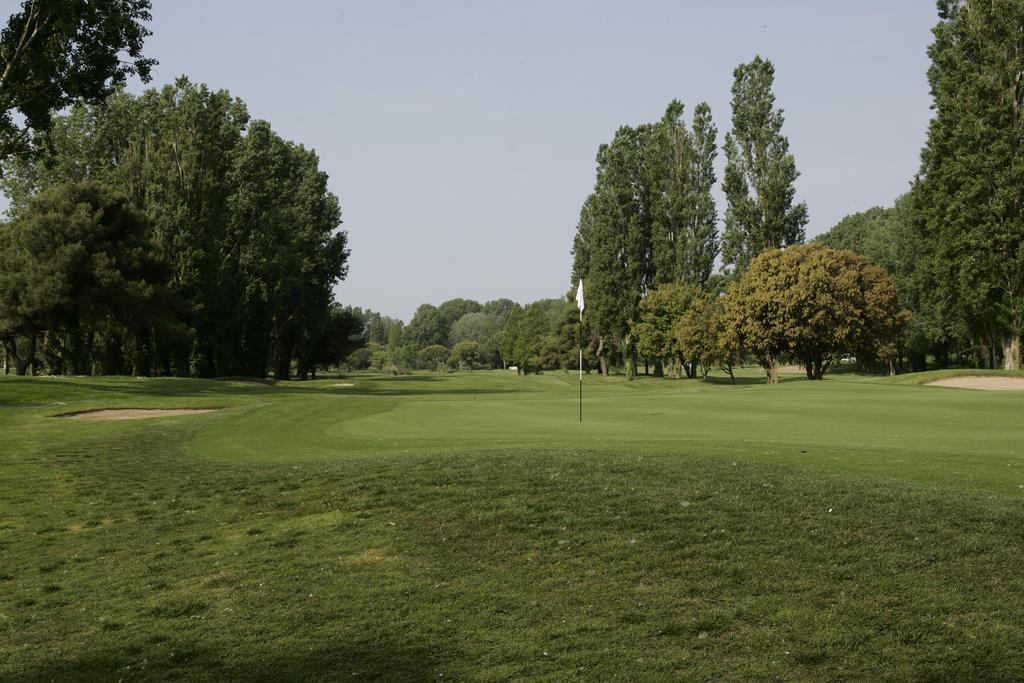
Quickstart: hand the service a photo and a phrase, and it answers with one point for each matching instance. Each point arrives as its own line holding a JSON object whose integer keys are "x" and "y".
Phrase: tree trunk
{"x": 21, "y": 365}
{"x": 659, "y": 368}
{"x": 1011, "y": 352}
{"x": 892, "y": 368}
{"x": 772, "y": 370}
{"x": 629, "y": 354}
{"x": 602, "y": 360}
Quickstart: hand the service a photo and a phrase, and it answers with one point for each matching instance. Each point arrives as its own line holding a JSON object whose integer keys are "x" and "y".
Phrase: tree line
{"x": 939, "y": 276}
{"x": 468, "y": 335}
{"x": 168, "y": 234}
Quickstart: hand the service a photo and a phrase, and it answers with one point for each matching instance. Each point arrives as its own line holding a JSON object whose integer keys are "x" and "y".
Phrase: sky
{"x": 460, "y": 136}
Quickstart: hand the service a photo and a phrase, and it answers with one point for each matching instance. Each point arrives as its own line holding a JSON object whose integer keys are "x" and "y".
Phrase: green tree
{"x": 969, "y": 206}
{"x": 704, "y": 338}
{"x": 54, "y": 52}
{"x": 453, "y": 309}
{"x": 249, "y": 228}
{"x": 660, "y": 312}
{"x": 427, "y": 327}
{"x": 813, "y": 302}
{"x": 433, "y": 357}
{"x": 650, "y": 220}
{"x": 888, "y": 237}
{"x": 343, "y": 334}
{"x": 760, "y": 172}
{"x": 79, "y": 270}
{"x": 469, "y": 355}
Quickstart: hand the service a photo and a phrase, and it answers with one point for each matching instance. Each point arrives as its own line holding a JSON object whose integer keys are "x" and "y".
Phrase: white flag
{"x": 579, "y": 296}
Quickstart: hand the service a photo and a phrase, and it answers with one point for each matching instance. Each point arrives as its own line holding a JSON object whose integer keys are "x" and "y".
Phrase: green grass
{"x": 467, "y": 526}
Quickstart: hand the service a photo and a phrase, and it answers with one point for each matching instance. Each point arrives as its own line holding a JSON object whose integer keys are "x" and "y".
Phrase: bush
{"x": 433, "y": 357}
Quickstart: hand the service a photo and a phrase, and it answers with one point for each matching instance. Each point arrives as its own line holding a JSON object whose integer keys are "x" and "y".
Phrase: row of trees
{"x": 808, "y": 303}
{"x": 168, "y": 234}
{"x": 651, "y": 219}
{"x": 955, "y": 243}
{"x": 466, "y": 334}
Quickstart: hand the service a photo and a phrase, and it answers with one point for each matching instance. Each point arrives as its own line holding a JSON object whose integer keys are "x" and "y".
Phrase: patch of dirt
{"x": 106, "y": 415}
{"x": 982, "y": 383}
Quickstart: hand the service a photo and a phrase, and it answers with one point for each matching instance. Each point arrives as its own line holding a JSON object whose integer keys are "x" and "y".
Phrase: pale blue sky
{"x": 460, "y": 136}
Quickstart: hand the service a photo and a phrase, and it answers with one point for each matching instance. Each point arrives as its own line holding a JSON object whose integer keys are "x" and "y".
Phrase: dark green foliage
{"x": 245, "y": 219}
{"x": 342, "y": 335}
{"x": 80, "y": 272}
{"x": 969, "y": 207}
{"x": 55, "y": 52}
{"x": 650, "y": 220}
{"x": 433, "y": 357}
{"x": 427, "y": 328}
{"x": 469, "y": 355}
{"x": 655, "y": 332}
{"x": 888, "y": 237}
{"x": 377, "y": 326}
{"x": 453, "y": 309}
{"x": 759, "y": 173}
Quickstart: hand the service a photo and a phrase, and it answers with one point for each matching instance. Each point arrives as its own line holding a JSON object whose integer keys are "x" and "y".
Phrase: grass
{"x": 467, "y": 526}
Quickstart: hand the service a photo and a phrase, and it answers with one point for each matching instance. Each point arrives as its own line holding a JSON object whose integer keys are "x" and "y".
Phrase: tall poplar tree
{"x": 650, "y": 220}
{"x": 699, "y": 259}
{"x": 760, "y": 173}
{"x": 970, "y": 208}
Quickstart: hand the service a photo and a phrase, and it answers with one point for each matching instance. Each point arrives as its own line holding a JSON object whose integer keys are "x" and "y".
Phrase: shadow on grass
{"x": 377, "y": 660}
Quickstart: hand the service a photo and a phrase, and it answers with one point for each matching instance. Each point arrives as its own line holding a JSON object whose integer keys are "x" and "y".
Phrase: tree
{"x": 433, "y": 357}
{"x": 248, "y": 226}
{"x": 888, "y": 237}
{"x": 699, "y": 260}
{"x": 469, "y": 355}
{"x": 342, "y": 335}
{"x": 970, "y": 211}
{"x": 54, "y": 52}
{"x": 813, "y": 302}
{"x": 427, "y": 328}
{"x": 453, "y": 309}
{"x": 760, "y": 173}
{"x": 365, "y": 357}
{"x": 650, "y": 220}
{"x": 377, "y": 326}
{"x": 524, "y": 336}
{"x": 660, "y": 311}
{"x": 704, "y": 338}
{"x": 79, "y": 269}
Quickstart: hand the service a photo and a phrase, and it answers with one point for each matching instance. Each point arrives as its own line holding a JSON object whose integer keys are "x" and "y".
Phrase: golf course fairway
{"x": 468, "y": 526}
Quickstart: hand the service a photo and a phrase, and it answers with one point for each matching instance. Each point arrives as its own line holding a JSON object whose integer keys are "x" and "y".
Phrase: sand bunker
{"x": 339, "y": 384}
{"x": 105, "y": 415}
{"x": 982, "y": 383}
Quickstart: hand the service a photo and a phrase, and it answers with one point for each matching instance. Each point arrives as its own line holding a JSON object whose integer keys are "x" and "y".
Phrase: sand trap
{"x": 339, "y": 384}
{"x": 982, "y": 383}
{"x": 105, "y": 415}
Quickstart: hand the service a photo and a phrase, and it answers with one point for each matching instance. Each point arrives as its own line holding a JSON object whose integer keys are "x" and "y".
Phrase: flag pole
{"x": 579, "y": 302}
{"x": 581, "y": 366}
